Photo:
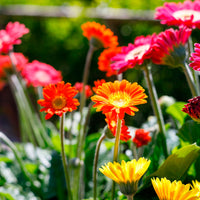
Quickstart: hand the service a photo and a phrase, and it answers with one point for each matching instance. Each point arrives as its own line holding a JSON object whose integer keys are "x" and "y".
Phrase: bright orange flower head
{"x": 58, "y": 99}
{"x": 111, "y": 120}
{"x": 104, "y": 60}
{"x": 119, "y": 98}
{"x": 99, "y": 34}
{"x": 98, "y": 83}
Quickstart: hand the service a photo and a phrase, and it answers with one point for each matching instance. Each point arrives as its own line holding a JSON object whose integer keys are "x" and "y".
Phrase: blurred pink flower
{"x": 10, "y": 36}
{"x": 195, "y": 57}
{"x": 40, "y": 74}
{"x": 180, "y": 14}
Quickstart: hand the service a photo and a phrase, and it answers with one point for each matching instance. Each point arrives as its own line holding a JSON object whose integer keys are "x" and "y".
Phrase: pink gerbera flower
{"x": 133, "y": 54}
{"x": 10, "y": 36}
{"x": 195, "y": 57}
{"x": 40, "y": 74}
{"x": 178, "y": 14}
{"x": 169, "y": 47}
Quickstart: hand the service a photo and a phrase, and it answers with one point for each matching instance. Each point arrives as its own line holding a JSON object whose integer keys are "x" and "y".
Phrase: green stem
{"x": 135, "y": 153}
{"x": 96, "y": 157}
{"x": 116, "y": 149}
{"x": 156, "y": 107}
{"x": 64, "y": 160}
{"x": 19, "y": 160}
{"x": 190, "y": 79}
{"x": 194, "y": 72}
{"x": 129, "y": 197}
{"x": 83, "y": 98}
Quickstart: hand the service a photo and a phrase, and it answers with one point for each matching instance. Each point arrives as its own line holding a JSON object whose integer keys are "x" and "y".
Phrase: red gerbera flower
{"x": 104, "y": 60}
{"x": 141, "y": 138}
{"x": 111, "y": 120}
{"x": 5, "y": 62}
{"x": 169, "y": 47}
{"x": 195, "y": 57}
{"x": 99, "y": 35}
{"x": 58, "y": 99}
{"x": 193, "y": 108}
{"x": 88, "y": 90}
{"x": 40, "y": 74}
{"x": 10, "y": 36}
{"x": 119, "y": 98}
{"x": 133, "y": 54}
{"x": 178, "y": 14}
{"x": 98, "y": 83}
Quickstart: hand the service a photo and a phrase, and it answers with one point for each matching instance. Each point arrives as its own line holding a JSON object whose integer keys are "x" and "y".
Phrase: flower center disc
{"x": 138, "y": 51}
{"x": 187, "y": 14}
{"x": 119, "y": 99}
{"x": 58, "y": 102}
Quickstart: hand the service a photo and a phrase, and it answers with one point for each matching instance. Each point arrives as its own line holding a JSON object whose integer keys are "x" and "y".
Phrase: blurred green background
{"x": 58, "y": 41}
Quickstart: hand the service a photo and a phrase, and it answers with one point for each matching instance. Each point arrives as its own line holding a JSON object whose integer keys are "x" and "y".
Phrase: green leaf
{"x": 6, "y": 196}
{"x": 177, "y": 164}
{"x": 31, "y": 167}
{"x": 190, "y": 132}
{"x": 176, "y": 112}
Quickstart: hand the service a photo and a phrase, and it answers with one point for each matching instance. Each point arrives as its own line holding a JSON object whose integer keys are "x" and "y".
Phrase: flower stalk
{"x": 190, "y": 79}
{"x": 156, "y": 107}
{"x": 64, "y": 160}
{"x": 96, "y": 157}
{"x": 116, "y": 149}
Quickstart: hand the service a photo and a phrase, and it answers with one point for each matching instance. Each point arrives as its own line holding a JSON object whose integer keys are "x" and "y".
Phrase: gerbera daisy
{"x": 99, "y": 35}
{"x": 166, "y": 189}
{"x": 196, "y": 185}
{"x": 98, "y": 83}
{"x": 104, "y": 60}
{"x": 195, "y": 58}
{"x": 10, "y": 36}
{"x": 193, "y": 108}
{"x": 5, "y": 62}
{"x": 111, "y": 120}
{"x": 169, "y": 47}
{"x": 133, "y": 54}
{"x": 88, "y": 90}
{"x": 40, "y": 74}
{"x": 126, "y": 174}
{"x": 141, "y": 138}
{"x": 178, "y": 14}
{"x": 58, "y": 99}
{"x": 119, "y": 97}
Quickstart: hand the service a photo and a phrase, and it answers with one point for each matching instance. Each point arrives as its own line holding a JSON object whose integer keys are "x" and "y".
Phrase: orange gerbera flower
{"x": 58, "y": 99}
{"x": 111, "y": 120}
{"x": 119, "y": 97}
{"x": 98, "y": 83}
{"x": 99, "y": 35}
{"x": 104, "y": 60}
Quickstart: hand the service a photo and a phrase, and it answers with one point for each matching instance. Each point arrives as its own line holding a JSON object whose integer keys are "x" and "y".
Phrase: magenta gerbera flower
{"x": 179, "y": 14}
{"x": 195, "y": 57}
{"x": 133, "y": 54}
{"x": 10, "y": 36}
{"x": 169, "y": 47}
{"x": 40, "y": 74}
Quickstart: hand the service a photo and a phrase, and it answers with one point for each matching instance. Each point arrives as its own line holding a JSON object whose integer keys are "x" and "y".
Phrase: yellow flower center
{"x": 138, "y": 51}
{"x": 119, "y": 99}
{"x": 186, "y": 14}
{"x": 58, "y": 102}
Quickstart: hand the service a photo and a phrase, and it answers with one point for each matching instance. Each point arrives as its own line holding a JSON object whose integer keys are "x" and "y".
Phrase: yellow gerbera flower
{"x": 126, "y": 174}
{"x": 196, "y": 185}
{"x": 176, "y": 190}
